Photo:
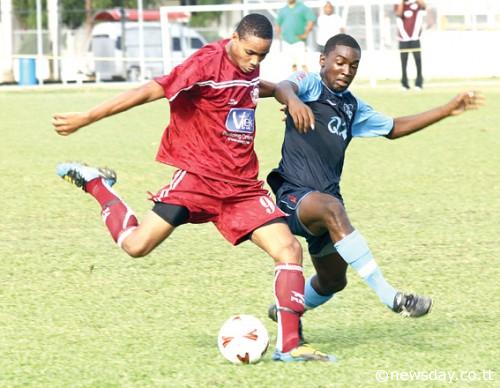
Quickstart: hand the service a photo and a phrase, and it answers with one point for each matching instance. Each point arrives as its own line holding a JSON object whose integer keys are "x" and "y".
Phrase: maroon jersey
{"x": 212, "y": 117}
{"x": 411, "y": 22}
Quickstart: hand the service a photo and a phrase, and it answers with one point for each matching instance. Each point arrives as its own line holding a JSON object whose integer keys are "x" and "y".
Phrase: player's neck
{"x": 227, "y": 47}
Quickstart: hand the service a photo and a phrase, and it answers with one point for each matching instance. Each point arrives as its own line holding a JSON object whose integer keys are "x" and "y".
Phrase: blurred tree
{"x": 74, "y": 13}
{"x": 203, "y": 19}
{"x": 25, "y": 12}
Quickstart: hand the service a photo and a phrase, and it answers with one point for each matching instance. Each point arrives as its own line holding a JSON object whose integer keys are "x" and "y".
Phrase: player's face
{"x": 339, "y": 67}
{"x": 247, "y": 52}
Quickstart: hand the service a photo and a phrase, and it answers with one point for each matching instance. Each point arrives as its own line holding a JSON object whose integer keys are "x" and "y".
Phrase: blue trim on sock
{"x": 352, "y": 247}
{"x": 355, "y": 251}
{"x": 384, "y": 290}
{"x": 311, "y": 298}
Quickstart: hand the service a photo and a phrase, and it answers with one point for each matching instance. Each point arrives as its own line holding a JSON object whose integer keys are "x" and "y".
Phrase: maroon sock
{"x": 117, "y": 216}
{"x": 289, "y": 293}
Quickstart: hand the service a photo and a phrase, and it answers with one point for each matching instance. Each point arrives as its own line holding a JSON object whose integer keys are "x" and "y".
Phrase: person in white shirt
{"x": 329, "y": 24}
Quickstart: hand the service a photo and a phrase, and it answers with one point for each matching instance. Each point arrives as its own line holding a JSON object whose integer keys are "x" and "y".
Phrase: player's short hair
{"x": 340, "y": 40}
{"x": 256, "y": 25}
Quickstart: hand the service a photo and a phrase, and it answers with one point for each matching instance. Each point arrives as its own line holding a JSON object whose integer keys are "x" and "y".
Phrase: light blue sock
{"x": 311, "y": 298}
{"x": 354, "y": 250}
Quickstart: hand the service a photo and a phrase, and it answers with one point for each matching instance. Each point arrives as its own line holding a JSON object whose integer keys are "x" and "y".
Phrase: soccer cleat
{"x": 80, "y": 174}
{"x": 410, "y": 305}
{"x": 272, "y": 313}
{"x": 303, "y": 353}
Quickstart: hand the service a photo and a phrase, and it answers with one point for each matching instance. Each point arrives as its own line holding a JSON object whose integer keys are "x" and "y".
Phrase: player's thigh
{"x": 321, "y": 212}
{"x": 148, "y": 235}
{"x": 276, "y": 239}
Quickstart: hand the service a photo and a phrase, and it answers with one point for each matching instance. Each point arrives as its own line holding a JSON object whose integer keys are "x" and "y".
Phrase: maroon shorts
{"x": 236, "y": 210}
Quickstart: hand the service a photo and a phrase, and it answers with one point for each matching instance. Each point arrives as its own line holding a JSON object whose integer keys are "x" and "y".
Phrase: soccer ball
{"x": 243, "y": 339}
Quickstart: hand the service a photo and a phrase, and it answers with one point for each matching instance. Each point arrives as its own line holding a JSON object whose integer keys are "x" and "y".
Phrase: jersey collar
{"x": 339, "y": 94}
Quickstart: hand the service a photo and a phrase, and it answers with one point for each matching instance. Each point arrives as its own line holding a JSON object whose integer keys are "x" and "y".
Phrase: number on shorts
{"x": 267, "y": 204}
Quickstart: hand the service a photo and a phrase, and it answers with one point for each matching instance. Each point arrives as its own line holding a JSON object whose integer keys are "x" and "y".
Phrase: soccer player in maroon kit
{"x": 409, "y": 22}
{"x": 210, "y": 139}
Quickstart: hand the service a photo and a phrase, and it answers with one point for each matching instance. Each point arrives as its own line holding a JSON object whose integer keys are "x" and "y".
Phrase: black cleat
{"x": 410, "y": 305}
{"x": 272, "y": 313}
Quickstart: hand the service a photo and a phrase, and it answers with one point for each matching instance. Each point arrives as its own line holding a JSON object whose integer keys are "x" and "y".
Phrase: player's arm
{"x": 301, "y": 114}
{"x": 307, "y": 31}
{"x": 67, "y": 123}
{"x": 421, "y": 3}
{"x": 407, "y": 125}
{"x": 278, "y": 31}
{"x": 266, "y": 88}
{"x": 398, "y": 9}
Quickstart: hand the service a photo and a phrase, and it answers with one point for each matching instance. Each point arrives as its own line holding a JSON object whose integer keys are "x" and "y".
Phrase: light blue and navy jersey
{"x": 315, "y": 159}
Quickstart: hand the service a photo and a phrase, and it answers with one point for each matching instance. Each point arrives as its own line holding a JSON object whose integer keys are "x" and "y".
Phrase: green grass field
{"x": 76, "y": 311}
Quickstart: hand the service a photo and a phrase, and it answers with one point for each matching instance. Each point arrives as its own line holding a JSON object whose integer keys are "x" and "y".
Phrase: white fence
{"x": 461, "y": 40}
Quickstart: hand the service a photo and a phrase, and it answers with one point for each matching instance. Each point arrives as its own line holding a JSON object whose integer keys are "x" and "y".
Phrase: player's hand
{"x": 284, "y": 110}
{"x": 466, "y": 101}
{"x": 302, "y": 116}
{"x": 67, "y": 123}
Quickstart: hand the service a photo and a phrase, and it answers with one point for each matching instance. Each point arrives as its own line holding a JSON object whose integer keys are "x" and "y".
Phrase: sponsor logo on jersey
{"x": 337, "y": 126}
{"x": 232, "y": 101}
{"x": 254, "y": 94}
{"x": 241, "y": 120}
{"x": 348, "y": 110}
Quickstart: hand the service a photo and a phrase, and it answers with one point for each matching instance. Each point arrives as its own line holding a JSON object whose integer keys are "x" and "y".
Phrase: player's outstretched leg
{"x": 411, "y": 305}
{"x": 118, "y": 217}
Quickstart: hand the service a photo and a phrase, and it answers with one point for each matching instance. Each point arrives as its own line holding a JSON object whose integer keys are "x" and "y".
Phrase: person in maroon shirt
{"x": 409, "y": 22}
{"x": 210, "y": 139}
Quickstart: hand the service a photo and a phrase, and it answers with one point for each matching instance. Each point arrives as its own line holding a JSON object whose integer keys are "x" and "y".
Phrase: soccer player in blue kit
{"x": 322, "y": 118}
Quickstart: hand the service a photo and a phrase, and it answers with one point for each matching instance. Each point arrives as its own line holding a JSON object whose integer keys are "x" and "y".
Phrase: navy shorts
{"x": 288, "y": 198}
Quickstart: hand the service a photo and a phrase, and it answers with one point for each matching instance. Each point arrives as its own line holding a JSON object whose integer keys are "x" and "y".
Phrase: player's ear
{"x": 235, "y": 36}
{"x": 322, "y": 59}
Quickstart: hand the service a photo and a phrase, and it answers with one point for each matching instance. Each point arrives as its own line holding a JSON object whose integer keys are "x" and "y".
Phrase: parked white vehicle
{"x": 116, "y": 57}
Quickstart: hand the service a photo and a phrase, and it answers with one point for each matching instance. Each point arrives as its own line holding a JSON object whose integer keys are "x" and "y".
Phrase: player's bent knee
{"x": 334, "y": 215}
{"x": 135, "y": 249}
{"x": 332, "y": 286}
{"x": 288, "y": 252}
{"x": 334, "y": 209}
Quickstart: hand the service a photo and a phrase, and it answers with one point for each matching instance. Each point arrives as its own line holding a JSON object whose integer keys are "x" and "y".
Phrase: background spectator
{"x": 294, "y": 23}
{"x": 409, "y": 22}
{"x": 329, "y": 24}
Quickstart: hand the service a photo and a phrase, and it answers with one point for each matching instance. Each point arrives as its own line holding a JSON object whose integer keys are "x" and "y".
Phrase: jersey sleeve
{"x": 310, "y": 15}
{"x": 279, "y": 18}
{"x": 309, "y": 85}
{"x": 183, "y": 76}
{"x": 370, "y": 123}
